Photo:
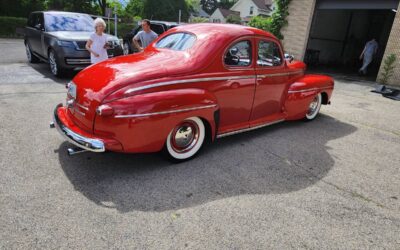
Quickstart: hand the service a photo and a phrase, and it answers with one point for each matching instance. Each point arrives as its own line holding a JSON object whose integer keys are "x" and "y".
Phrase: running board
{"x": 249, "y": 129}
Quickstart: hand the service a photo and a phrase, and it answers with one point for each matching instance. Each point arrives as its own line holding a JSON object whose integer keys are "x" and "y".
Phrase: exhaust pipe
{"x": 74, "y": 151}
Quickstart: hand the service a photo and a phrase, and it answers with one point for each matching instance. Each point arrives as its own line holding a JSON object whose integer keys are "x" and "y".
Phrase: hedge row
{"x": 10, "y": 24}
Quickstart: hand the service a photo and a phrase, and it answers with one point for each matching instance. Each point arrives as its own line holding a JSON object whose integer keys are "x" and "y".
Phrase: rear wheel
{"x": 314, "y": 107}
{"x": 31, "y": 57}
{"x": 55, "y": 67}
{"x": 185, "y": 140}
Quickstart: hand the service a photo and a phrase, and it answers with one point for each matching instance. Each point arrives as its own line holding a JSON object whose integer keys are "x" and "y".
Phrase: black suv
{"x": 157, "y": 26}
{"x": 59, "y": 38}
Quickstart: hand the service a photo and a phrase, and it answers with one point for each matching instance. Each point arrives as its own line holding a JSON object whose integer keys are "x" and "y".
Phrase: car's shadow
{"x": 44, "y": 69}
{"x": 279, "y": 159}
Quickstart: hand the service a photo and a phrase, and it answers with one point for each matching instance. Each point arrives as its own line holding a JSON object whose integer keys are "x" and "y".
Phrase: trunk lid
{"x": 97, "y": 81}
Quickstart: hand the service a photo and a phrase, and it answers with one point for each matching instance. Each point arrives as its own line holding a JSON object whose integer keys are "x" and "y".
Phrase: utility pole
{"x": 180, "y": 14}
{"x": 115, "y": 21}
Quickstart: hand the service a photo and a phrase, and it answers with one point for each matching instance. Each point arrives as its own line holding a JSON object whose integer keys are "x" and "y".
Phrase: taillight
{"x": 104, "y": 110}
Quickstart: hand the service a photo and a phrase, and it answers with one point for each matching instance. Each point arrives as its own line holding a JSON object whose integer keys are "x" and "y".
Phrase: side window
{"x": 32, "y": 20}
{"x": 239, "y": 54}
{"x": 269, "y": 54}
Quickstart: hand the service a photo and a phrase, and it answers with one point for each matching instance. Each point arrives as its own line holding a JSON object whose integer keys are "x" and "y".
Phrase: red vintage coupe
{"x": 194, "y": 83}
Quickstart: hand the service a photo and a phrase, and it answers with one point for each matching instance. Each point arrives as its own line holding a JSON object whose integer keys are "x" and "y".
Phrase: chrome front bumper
{"x": 78, "y": 140}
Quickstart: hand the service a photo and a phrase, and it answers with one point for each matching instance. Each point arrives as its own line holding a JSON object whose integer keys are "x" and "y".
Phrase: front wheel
{"x": 185, "y": 140}
{"x": 31, "y": 57}
{"x": 55, "y": 67}
{"x": 314, "y": 107}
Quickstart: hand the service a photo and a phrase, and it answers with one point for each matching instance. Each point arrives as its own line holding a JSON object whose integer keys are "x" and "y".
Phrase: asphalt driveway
{"x": 330, "y": 183}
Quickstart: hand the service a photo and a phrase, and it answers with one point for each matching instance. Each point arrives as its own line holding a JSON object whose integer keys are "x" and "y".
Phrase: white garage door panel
{"x": 357, "y": 4}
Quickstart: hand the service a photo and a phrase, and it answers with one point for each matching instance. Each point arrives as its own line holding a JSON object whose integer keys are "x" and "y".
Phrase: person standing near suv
{"x": 97, "y": 44}
{"x": 146, "y": 36}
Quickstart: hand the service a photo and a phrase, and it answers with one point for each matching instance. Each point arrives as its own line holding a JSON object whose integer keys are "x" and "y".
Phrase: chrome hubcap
{"x": 53, "y": 63}
{"x": 185, "y": 137}
{"x": 28, "y": 52}
{"x": 313, "y": 106}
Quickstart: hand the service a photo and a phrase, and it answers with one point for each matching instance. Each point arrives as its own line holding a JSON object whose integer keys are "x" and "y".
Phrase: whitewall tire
{"x": 314, "y": 107}
{"x": 185, "y": 140}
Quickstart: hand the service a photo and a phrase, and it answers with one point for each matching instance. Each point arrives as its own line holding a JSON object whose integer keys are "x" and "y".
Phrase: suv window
{"x": 35, "y": 19}
{"x": 177, "y": 41}
{"x": 239, "y": 54}
{"x": 269, "y": 54}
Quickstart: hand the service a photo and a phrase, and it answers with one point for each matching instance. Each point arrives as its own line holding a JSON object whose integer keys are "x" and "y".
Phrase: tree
{"x": 134, "y": 8}
{"x": 167, "y": 10}
{"x": 103, "y": 5}
{"x": 85, "y": 6}
{"x": 20, "y": 8}
{"x": 209, "y": 6}
{"x": 226, "y": 4}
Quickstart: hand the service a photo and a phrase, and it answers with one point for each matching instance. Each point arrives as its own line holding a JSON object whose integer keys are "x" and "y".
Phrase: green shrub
{"x": 388, "y": 68}
{"x": 10, "y": 24}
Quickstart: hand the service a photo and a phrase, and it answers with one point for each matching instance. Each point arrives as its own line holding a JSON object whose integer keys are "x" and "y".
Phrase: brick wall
{"x": 393, "y": 47}
{"x": 298, "y": 28}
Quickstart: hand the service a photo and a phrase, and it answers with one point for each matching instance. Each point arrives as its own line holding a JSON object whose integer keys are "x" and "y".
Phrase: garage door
{"x": 357, "y": 4}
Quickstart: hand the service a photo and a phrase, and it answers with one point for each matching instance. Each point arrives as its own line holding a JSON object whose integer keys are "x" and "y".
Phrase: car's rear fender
{"x": 142, "y": 122}
{"x": 301, "y": 93}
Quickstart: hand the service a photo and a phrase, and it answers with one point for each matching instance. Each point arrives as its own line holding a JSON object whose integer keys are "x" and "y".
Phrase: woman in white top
{"x": 97, "y": 44}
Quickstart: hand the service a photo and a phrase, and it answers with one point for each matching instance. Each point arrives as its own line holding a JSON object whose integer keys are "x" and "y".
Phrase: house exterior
{"x": 251, "y": 8}
{"x": 246, "y": 9}
{"x": 199, "y": 12}
{"x": 220, "y": 15}
{"x": 304, "y": 31}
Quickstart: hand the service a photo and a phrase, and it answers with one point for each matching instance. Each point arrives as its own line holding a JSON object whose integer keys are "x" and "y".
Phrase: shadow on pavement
{"x": 44, "y": 69}
{"x": 279, "y": 159}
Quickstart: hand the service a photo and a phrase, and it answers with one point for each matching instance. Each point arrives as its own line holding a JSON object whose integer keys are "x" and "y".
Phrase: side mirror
{"x": 39, "y": 26}
{"x": 288, "y": 57}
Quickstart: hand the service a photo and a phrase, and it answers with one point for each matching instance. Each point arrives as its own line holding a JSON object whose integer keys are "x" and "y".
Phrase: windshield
{"x": 177, "y": 41}
{"x": 68, "y": 22}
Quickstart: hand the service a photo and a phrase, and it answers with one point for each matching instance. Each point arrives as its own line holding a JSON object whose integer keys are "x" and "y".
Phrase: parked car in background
{"x": 194, "y": 84}
{"x": 59, "y": 38}
{"x": 157, "y": 26}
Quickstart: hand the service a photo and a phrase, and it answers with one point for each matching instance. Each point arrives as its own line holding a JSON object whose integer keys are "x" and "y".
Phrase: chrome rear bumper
{"x": 90, "y": 144}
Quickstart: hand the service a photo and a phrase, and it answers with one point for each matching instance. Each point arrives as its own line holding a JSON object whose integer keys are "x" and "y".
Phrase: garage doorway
{"x": 340, "y": 30}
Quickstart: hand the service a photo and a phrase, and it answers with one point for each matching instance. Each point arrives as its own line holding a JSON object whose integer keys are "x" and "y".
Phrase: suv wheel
{"x": 31, "y": 57}
{"x": 55, "y": 67}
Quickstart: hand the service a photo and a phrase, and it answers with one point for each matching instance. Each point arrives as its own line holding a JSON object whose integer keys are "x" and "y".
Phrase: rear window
{"x": 177, "y": 41}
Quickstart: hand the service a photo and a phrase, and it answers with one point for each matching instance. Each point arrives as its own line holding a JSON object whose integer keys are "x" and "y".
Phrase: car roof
{"x": 228, "y": 30}
{"x": 59, "y": 12}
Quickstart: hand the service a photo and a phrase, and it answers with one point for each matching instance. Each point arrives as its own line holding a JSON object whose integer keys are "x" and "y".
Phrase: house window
{"x": 251, "y": 10}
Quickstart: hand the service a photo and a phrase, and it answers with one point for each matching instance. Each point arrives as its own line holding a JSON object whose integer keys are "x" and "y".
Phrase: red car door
{"x": 271, "y": 82}
{"x": 235, "y": 95}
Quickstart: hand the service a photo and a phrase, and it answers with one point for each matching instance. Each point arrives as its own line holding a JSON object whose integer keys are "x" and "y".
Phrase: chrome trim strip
{"x": 165, "y": 112}
{"x": 94, "y": 145}
{"x": 249, "y": 129}
{"x": 280, "y": 74}
{"x": 81, "y": 106}
{"x": 207, "y": 79}
{"x": 307, "y": 90}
